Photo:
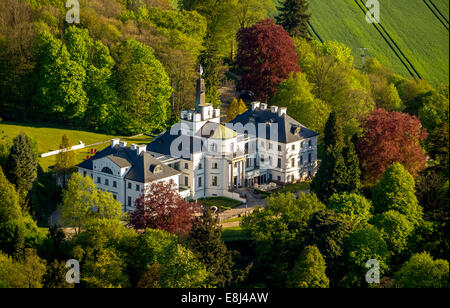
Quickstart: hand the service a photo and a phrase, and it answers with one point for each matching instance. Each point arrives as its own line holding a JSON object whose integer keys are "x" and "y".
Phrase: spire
{"x": 200, "y": 101}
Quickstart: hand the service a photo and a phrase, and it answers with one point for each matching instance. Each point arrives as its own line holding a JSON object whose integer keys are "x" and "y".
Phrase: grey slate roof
{"x": 163, "y": 142}
{"x": 144, "y": 167}
{"x": 287, "y": 126}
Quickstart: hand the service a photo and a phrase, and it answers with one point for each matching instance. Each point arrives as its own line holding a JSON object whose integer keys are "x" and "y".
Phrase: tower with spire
{"x": 201, "y": 91}
{"x": 203, "y": 112}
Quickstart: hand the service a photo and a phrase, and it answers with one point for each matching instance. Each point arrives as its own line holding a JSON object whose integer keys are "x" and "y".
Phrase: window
{"x": 107, "y": 170}
{"x": 186, "y": 166}
{"x": 270, "y": 146}
{"x": 215, "y": 166}
{"x": 186, "y": 181}
{"x": 279, "y": 178}
{"x": 99, "y": 180}
{"x": 293, "y": 147}
{"x": 310, "y": 143}
{"x": 129, "y": 185}
{"x": 199, "y": 182}
{"x": 279, "y": 148}
{"x": 213, "y": 147}
{"x": 138, "y": 187}
{"x": 293, "y": 163}
{"x": 301, "y": 160}
{"x": 114, "y": 184}
{"x": 214, "y": 181}
{"x": 176, "y": 166}
{"x": 84, "y": 173}
{"x": 309, "y": 158}
{"x": 279, "y": 163}
{"x": 106, "y": 182}
{"x": 115, "y": 197}
{"x": 200, "y": 166}
{"x": 129, "y": 202}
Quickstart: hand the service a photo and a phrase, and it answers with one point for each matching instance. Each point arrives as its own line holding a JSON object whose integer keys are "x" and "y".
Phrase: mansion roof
{"x": 144, "y": 167}
{"x": 289, "y": 130}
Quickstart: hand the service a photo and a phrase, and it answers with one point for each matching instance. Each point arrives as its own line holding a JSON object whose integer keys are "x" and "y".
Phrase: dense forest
{"x": 130, "y": 66}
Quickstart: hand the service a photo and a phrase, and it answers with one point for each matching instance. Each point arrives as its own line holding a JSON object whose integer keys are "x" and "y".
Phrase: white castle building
{"x": 205, "y": 158}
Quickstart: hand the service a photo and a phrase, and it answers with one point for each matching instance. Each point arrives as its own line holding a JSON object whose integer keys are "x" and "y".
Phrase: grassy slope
{"x": 343, "y": 21}
{"x": 443, "y": 6}
{"x": 418, "y": 33}
{"x": 49, "y": 138}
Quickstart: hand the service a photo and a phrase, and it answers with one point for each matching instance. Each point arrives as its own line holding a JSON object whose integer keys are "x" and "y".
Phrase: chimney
{"x": 282, "y": 111}
{"x": 263, "y": 107}
{"x": 115, "y": 142}
{"x": 274, "y": 109}
{"x": 255, "y": 105}
{"x": 139, "y": 148}
{"x": 123, "y": 144}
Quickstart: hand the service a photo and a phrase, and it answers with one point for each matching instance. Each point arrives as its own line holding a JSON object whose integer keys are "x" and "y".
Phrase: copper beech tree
{"x": 390, "y": 137}
{"x": 266, "y": 56}
{"x": 161, "y": 207}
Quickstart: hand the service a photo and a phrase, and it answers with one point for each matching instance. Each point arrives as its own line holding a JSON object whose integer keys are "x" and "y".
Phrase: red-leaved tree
{"x": 266, "y": 56}
{"x": 161, "y": 207}
{"x": 390, "y": 137}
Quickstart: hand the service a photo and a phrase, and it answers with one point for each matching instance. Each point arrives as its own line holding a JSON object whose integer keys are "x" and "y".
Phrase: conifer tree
{"x": 294, "y": 17}
{"x": 21, "y": 167}
{"x": 65, "y": 160}
{"x": 332, "y": 175}
{"x": 236, "y": 108}
{"x": 309, "y": 270}
{"x": 208, "y": 247}
{"x": 352, "y": 166}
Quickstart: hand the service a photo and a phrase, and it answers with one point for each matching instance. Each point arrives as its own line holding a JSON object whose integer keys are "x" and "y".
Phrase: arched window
{"x": 107, "y": 170}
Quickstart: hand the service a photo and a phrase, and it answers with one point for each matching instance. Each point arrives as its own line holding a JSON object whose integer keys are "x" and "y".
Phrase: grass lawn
{"x": 234, "y": 234}
{"x": 222, "y": 203}
{"x": 233, "y": 220}
{"x": 48, "y": 139}
{"x": 290, "y": 188}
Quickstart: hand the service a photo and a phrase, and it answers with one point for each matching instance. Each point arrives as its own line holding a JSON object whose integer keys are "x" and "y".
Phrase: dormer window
{"x": 156, "y": 169}
{"x": 107, "y": 170}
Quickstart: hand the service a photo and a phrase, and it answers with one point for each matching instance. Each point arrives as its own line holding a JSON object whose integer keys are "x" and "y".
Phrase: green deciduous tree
{"x": 295, "y": 93}
{"x": 179, "y": 268}
{"x": 396, "y": 191}
{"x": 361, "y": 246}
{"x": 143, "y": 86}
{"x": 309, "y": 270}
{"x": 55, "y": 276}
{"x": 327, "y": 230}
{"x": 395, "y": 229}
{"x": 278, "y": 234}
{"x": 60, "y": 81}
{"x": 83, "y": 204}
{"x": 351, "y": 207}
{"x": 24, "y": 273}
{"x": 421, "y": 271}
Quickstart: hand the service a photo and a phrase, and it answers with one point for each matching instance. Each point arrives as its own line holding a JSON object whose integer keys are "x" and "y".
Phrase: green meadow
{"x": 48, "y": 138}
{"x": 416, "y": 30}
